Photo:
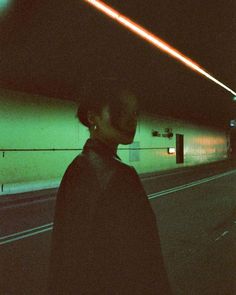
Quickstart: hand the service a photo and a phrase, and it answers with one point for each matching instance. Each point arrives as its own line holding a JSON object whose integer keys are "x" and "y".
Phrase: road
{"x": 196, "y": 215}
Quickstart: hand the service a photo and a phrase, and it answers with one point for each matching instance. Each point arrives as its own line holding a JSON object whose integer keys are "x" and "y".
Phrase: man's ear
{"x": 92, "y": 118}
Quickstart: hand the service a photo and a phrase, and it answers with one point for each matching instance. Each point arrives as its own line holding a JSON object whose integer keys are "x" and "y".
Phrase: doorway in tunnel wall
{"x": 179, "y": 148}
{"x": 232, "y": 149}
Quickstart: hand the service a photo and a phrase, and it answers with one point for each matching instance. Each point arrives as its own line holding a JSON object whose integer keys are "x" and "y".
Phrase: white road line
{"x": 188, "y": 185}
{"x": 26, "y": 233}
{"x": 222, "y": 235}
{"x": 25, "y": 236}
{"x": 49, "y": 226}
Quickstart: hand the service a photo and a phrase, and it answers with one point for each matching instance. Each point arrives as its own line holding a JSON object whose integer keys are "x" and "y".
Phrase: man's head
{"x": 109, "y": 109}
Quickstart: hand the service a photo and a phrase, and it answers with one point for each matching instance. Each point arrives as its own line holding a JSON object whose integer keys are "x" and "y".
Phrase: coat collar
{"x": 100, "y": 147}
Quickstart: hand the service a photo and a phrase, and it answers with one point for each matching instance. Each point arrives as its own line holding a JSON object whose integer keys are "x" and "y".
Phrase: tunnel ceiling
{"x": 53, "y": 47}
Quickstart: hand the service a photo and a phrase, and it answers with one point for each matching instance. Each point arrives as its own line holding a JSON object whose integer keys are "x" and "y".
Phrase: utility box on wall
{"x": 134, "y": 152}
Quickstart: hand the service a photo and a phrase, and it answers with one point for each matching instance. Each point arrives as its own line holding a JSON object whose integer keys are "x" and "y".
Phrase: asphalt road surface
{"x": 196, "y": 215}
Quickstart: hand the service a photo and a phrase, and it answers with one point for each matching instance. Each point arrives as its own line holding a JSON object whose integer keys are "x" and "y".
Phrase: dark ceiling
{"x": 53, "y": 47}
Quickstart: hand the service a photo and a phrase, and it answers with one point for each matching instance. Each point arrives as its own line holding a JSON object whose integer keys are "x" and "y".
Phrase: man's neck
{"x": 113, "y": 146}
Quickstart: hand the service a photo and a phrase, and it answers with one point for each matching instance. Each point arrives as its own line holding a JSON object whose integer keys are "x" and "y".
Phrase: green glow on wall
{"x": 45, "y": 137}
{"x": 5, "y": 4}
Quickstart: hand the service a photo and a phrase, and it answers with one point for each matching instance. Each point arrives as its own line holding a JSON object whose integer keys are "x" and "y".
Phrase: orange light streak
{"x": 151, "y": 38}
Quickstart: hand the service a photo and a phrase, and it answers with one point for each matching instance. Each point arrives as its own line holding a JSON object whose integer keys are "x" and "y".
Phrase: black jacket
{"x": 105, "y": 240}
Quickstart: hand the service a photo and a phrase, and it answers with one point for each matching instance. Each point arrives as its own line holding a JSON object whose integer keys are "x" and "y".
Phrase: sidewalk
{"x": 224, "y": 164}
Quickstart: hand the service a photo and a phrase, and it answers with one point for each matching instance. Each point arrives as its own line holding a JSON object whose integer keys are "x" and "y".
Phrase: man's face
{"x": 123, "y": 131}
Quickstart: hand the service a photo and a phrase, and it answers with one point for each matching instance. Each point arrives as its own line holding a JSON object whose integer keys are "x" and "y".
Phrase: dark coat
{"x": 105, "y": 240}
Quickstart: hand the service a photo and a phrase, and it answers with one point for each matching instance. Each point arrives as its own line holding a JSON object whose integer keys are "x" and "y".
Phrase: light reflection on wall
{"x": 206, "y": 140}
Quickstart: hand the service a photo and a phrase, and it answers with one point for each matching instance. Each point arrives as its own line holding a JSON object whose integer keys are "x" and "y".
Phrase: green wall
{"x": 201, "y": 144}
{"x": 40, "y": 136}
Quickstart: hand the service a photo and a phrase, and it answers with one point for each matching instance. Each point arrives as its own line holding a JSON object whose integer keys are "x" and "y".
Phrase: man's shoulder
{"x": 78, "y": 161}
{"x": 93, "y": 164}
{"x": 75, "y": 169}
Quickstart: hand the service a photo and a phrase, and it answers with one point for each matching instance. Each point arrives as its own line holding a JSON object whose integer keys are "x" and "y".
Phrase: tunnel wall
{"x": 40, "y": 136}
{"x": 201, "y": 144}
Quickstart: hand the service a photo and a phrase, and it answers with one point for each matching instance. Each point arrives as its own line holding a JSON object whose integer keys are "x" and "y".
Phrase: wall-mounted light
{"x": 232, "y": 123}
{"x": 234, "y": 98}
{"x": 171, "y": 150}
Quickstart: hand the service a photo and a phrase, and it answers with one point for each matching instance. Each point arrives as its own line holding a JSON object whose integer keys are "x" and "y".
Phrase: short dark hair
{"x": 97, "y": 94}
